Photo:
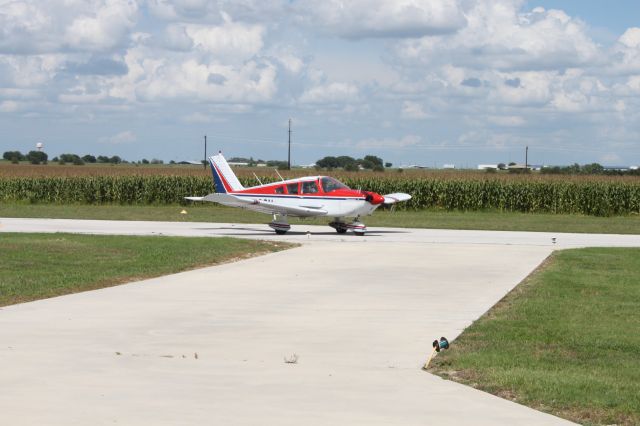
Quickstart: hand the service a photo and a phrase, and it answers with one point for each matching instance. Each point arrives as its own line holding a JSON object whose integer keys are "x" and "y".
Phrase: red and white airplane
{"x": 302, "y": 197}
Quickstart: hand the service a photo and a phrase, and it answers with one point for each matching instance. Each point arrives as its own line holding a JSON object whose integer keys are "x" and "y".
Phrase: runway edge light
{"x": 438, "y": 345}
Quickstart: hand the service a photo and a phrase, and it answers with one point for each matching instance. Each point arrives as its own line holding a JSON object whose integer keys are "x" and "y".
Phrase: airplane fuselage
{"x": 340, "y": 202}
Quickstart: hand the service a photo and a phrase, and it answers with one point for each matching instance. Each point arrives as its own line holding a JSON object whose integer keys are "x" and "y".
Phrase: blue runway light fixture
{"x": 438, "y": 345}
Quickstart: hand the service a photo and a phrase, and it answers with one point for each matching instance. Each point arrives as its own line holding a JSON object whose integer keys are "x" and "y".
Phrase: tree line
{"x": 370, "y": 162}
{"x": 40, "y": 157}
{"x": 588, "y": 169}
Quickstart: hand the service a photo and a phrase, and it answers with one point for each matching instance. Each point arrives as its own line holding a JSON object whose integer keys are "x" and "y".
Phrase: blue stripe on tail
{"x": 217, "y": 180}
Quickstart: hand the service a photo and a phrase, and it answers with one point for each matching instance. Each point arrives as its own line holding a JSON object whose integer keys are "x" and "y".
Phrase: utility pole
{"x": 204, "y": 163}
{"x": 526, "y": 158}
{"x": 289, "y": 156}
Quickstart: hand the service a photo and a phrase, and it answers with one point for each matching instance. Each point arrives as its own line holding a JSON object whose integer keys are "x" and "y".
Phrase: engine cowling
{"x": 373, "y": 197}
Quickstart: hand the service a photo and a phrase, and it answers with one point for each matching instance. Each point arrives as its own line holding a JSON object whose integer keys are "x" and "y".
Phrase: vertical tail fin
{"x": 223, "y": 177}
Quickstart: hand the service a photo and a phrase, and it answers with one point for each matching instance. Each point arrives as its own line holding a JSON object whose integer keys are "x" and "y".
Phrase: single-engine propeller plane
{"x": 310, "y": 196}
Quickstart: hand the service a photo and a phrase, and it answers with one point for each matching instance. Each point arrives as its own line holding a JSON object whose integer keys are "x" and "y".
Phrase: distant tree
{"x": 172, "y": 162}
{"x": 352, "y": 167}
{"x": 573, "y": 169}
{"x": 69, "y": 158}
{"x": 345, "y": 161}
{"x": 156, "y": 161}
{"x": 327, "y": 162}
{"x": 281, "y": 165}
{"x": 103, "y": 159}
{"x": 115, "y": 160}
{"x": 37, "y": 157}
{"x": 365, "y": 164}
{"x": 512, "y": 163}
{"x": 145, "y": 161}
{"x": 89, "y": 159}
{"x": 11, "y": 155}
{"x": 502, "y": 166}
{"x": 387, "y": 165}
{"x": 378, "y": 168}
{"x": 77, "y": 161}
{"x": 373, "y": 160}
{"x": 592, "y": 169}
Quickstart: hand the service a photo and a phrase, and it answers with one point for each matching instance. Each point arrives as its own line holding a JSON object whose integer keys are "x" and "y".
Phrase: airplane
{"x": 311, "y": 196}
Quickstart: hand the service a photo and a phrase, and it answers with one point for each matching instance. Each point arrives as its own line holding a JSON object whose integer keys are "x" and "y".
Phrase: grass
{"x": 565, "y": 341}
{"x": 436, "y": 219}
{"x": 37, "y": 266}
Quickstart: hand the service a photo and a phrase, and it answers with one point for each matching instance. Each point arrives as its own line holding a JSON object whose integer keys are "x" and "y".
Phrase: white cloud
{"x": 381, "y": 18}
{"x": 214, "y": 11}
{"x": 625, "y": 56}
{"x": 191, "y": 80}
{"x": 413, "y": 111}
{"x": 31, "y": 26}
{"x": 121, "y": 138}
{"x": 389, "y": 143}
{"x": 497, "y": 36}
{"x": 610, "y": 159}
{"x": 230, "y": 40}
{"x": 104, "y": 28}
{"x": 330, "y": 93}
{"x": 507, "y": 120}
{"x": 630, "y": 38}
{"x": 9, "y": 106}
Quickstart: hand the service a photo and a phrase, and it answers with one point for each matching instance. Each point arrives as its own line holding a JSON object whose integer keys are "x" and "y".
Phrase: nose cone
{"x": 374, "y": 198}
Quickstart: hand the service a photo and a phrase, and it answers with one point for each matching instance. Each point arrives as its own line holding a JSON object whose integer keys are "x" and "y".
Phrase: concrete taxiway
{"x": 209, "y": 346}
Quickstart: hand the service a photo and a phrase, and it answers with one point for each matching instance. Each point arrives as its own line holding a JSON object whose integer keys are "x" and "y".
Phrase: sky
{"x": 426, "y": 82}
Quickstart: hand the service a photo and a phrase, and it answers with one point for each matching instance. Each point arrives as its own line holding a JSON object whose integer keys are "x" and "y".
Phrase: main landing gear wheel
{"x": 280, "y": 224}
{"x": 339, "y": 226}
{"x": 357, "y": 227}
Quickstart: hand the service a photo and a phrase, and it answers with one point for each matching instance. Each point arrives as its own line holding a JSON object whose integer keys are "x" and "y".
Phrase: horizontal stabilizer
{"x": 396, "y": 197}
{"x": 194, "y": 198}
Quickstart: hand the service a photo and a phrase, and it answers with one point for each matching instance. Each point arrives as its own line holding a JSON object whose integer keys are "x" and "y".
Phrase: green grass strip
{"x": 565, "y": 341}
{"x": 37, "y": 266}
{"x": 435, "y": 219}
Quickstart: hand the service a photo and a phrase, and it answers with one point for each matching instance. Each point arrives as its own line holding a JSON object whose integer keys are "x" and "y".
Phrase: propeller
{"x": 396, "y": 197}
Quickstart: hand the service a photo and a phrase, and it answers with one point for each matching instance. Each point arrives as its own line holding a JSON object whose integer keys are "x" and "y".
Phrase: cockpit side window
{"x": 309, "y": 187}
{"x": 292, "y": 188}
{"x": 331, "y": 184}
{"x": 279, "y": 189}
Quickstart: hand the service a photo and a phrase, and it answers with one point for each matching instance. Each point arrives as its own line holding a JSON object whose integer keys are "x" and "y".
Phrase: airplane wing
{"x": 396, "y": 197}
{"x": 255, "y": 204}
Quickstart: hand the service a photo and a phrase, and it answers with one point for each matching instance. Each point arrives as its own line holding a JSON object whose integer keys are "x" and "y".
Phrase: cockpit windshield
{"x": 330, "y": 184}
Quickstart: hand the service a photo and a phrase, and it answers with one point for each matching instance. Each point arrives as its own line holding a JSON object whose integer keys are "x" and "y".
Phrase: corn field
{"x": 589, "y": 197}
